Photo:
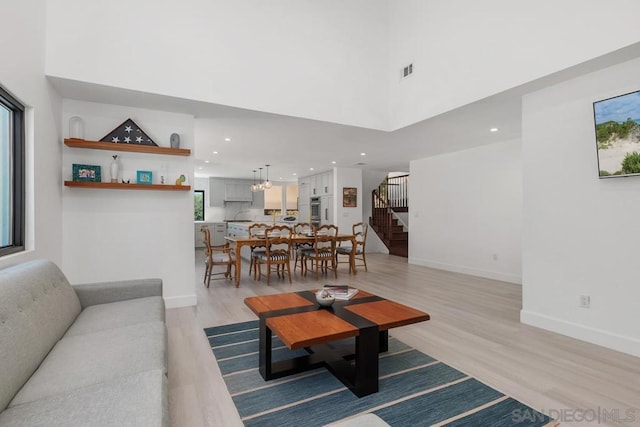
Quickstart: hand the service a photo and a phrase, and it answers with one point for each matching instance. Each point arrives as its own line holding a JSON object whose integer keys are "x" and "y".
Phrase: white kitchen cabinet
{"x": 237, "y": 191}
{"x": 304, "y": 191}
{"x": 216, "y": 192}
{"x": 304, "y": 195}
{"x": 326, "y": 184}
{"x": 314, "y": 185}
{"x": 326, "y": 210}
{"x": 304, "y": 213}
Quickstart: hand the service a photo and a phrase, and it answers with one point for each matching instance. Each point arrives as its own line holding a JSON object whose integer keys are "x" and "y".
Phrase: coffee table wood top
{"x": 267, "y": 303}
{"x": 311, "y": 328}
{"x": 388, "y": 314}
{"x": 299, "y": 322}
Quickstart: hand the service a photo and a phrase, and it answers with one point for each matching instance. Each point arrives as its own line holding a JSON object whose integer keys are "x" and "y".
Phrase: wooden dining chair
{"x": 298, "y": 248}
{"x": 359, "y": 231}
{"x": 277, "y": 255}
{"x": 254, "y": 230}
{"x": 221, "y": 255}
{"x": 323, "y": 250}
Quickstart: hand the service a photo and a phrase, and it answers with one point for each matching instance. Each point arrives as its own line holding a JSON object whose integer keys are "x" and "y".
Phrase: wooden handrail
{"x": 391, "y": 194}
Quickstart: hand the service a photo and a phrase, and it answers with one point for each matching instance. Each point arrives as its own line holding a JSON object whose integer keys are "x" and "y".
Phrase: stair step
{"x": 403, "y": 252}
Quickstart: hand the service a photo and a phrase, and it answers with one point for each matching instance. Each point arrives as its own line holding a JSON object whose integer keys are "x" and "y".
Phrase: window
{"x": 273, "y": 200}
{"x": 198, "y": 205}
{"x": 11, "y": 174}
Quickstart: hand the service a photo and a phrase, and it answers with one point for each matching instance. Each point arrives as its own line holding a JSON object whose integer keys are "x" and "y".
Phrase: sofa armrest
{"x": 106, "y": 292}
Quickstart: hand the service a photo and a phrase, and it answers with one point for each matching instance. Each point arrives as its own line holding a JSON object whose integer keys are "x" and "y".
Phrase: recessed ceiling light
{"x": 206, "y": 161}
{"x": 200, "y": 168}
{"x": 363, "y": 154}
{"x": 333, "y": 162}
{"x": 227, "y": 139}
{"x": 493, "y": 130}
{"x": 215, "y": 152}
{"x": 294, "y": 174}
{"x": 281, "y": 178}
{"x": 310, "y": 169}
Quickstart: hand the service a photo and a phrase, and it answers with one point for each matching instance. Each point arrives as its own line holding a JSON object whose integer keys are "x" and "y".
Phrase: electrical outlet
{"x": 585, "y": 301}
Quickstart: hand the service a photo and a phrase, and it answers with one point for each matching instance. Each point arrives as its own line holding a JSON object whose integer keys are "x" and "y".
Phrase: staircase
{"x": 389, "y": 197}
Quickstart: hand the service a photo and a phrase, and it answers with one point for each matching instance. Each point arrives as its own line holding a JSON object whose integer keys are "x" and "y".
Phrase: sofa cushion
{"x": 37, "y": 306}
{"x": 135, "y": 400}
{"x": 82, "y": 360}
{"x": 118, "y": 314}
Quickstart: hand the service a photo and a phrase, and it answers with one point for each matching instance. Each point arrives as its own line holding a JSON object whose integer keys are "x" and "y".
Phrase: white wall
{"x": 465, "y": 207}
{"x": 465, "y": 50}
{"x": 22, "y": 74}
{"x": 127, "y": 234}
{"x": 320, "y": 60}
{"x": 580, "y": 233}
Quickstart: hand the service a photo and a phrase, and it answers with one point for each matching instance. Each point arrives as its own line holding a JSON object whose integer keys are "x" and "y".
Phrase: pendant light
{"x": 260, "y": 185}
{"x": 267, "y": 184}
{"x": 254, "y": 187}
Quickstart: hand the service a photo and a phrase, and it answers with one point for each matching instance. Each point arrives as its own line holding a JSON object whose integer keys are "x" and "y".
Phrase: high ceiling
{"x": 292, "y": 146}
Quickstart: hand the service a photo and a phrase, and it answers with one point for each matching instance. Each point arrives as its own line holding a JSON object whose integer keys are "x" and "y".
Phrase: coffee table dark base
{"x": 357, "y": 370}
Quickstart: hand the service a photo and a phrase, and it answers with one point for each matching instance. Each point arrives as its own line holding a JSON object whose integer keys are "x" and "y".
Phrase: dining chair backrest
{"x": 206, "y": 237}
{"x": 278, "y": 239}
{"x": 324, "y": 237}
{"x": 360, "y": 230}
{"x": 256, "y": 229}
{"x": 216, "y": 255}
{"x": 303, "y": 228}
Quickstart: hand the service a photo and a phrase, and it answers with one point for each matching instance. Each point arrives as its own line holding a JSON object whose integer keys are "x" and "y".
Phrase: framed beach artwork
{"x": 349, "y": 197}
{"x": 617, "y": 128}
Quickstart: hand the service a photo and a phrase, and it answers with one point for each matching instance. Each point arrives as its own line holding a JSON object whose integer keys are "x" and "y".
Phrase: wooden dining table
{"x": 253, "y": 241}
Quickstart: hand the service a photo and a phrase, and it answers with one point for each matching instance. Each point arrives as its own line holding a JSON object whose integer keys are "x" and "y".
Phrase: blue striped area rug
{"x": 415, "y": 389}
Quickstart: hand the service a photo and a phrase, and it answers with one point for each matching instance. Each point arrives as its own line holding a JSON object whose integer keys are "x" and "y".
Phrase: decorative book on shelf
{"x": 341, "y": 292}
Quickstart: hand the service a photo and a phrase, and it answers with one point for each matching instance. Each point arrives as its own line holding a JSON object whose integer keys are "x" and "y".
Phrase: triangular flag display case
{"x": 128, "y": 133}
{"x": 127, "y": 137}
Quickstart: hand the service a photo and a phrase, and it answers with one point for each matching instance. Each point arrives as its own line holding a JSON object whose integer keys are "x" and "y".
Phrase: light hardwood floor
{"x": 475, "y": 328}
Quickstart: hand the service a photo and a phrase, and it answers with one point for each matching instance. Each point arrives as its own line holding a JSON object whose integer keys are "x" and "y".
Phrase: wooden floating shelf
{"x": 120, "y": 186}
{"x": 135, "y": 148}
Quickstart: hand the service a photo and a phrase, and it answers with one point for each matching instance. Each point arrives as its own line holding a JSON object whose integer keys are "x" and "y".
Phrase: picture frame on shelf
{"x": 144, "y": 177}
{"x": 349, "y": 197}
{"x": 87, "y": 173}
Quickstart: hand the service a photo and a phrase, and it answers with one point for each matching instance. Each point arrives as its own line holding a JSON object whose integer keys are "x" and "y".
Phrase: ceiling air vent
{"x": 407, "y": 71}
{"x": 360, "y": 164}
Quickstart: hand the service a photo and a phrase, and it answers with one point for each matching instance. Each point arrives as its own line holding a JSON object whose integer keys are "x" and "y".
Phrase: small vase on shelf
{"x": 115, "y": 166}
{"x": 76, "y": 128}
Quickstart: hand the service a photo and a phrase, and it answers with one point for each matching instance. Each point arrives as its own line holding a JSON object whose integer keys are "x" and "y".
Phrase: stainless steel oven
{"x": 315, "y": 211}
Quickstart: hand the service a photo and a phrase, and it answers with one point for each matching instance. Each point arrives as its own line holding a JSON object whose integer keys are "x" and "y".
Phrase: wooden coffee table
{"x": 300, "y": 323}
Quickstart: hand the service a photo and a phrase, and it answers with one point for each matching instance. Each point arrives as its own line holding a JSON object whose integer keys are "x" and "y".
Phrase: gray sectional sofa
{"x": 87, "y": 355}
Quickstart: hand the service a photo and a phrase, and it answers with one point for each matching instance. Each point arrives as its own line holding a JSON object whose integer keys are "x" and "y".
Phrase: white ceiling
{"x": 294, "y": 145}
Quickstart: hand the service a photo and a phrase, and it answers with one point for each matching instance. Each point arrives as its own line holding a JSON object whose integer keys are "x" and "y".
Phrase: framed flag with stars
{"x": 128, "y": 133}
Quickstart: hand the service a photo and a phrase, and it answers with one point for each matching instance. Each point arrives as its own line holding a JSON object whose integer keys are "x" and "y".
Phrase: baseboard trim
{"x": 596, "y": 336}
{"x": 180, "y": 301}
{"x": 495, "y": 275}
